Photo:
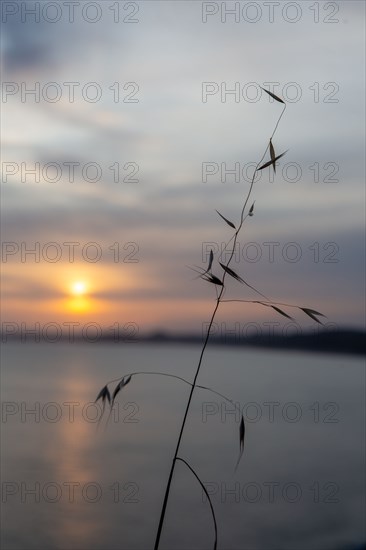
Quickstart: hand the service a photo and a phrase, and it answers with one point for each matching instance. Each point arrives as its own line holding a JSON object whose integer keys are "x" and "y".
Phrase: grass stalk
{"x": 243, "y": 217}
{"x": 207, "y": 275}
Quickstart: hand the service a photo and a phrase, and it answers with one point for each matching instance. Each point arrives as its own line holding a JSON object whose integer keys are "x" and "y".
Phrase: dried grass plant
{"x": 223, "y": 273}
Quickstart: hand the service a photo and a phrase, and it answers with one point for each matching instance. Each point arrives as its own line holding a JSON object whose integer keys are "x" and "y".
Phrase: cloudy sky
{"x": 146, "y": 117}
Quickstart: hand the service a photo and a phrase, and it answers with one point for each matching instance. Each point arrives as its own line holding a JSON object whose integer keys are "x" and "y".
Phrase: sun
{"x": 78, "y": 288}
{"x": 78, "y": 296}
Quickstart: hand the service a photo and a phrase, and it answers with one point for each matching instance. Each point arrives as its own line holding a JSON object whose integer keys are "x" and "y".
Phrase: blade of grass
{"x": 241, "y": 441}
{"x": 273, "y": 161}
{"x": 273, "y": 155}
{"x": 273, "y": 95}
{"x": 227, "y": 221}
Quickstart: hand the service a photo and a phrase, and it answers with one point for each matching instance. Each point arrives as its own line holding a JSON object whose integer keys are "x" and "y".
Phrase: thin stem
{"x": 165, "y": 502}
{"x": 218, "y": 300}
{"x": 207, "y": 496}
{"x": 148, "y": 372}
{"x": 158, "y": 374}
{"x": 263, "y": 303}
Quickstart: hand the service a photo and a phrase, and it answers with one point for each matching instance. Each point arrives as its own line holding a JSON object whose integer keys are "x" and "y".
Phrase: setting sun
{"x": 78, "y": 288}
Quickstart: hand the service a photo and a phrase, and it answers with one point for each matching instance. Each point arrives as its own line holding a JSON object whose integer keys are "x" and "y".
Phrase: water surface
{"x": 299, "y": 486}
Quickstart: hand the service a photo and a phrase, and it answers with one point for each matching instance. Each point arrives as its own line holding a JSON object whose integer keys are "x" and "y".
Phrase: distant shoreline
{"x": 340, "y": 341}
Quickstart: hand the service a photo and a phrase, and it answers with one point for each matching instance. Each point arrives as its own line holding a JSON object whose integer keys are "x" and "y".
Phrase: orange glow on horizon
{"x": 79, "y": 304}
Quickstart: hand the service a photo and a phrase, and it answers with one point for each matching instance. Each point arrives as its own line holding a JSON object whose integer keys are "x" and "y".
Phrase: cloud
{"x": 170, "y": 132}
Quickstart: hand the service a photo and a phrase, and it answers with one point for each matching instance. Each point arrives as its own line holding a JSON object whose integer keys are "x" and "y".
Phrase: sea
{"x": 79, "y": 475}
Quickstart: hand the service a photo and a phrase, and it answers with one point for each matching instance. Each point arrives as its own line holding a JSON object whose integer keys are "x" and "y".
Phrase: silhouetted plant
{"x": 219, "y": 280}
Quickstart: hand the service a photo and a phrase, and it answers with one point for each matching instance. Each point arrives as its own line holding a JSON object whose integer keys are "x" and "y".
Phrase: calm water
{"x": 66, "y": 486}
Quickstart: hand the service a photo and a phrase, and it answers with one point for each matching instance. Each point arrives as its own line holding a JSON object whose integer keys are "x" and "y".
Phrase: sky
{"x": 147, "y": 117}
